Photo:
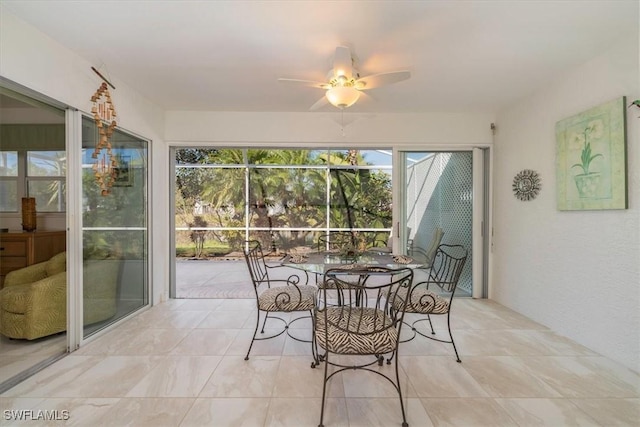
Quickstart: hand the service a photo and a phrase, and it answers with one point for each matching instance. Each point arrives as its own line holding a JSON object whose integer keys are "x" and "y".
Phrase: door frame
{"x": 482, "y": 207}
{"x": 75, "y": 232}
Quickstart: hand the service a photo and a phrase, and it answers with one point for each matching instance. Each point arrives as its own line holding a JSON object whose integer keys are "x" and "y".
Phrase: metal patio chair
{"x": 369, "y": 329}
{"x": 277, "y": 295}
{"x": 434, "y": 296}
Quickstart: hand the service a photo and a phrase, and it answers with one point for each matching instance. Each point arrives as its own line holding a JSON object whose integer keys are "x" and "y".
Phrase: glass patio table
{"x": 319, "y": 262}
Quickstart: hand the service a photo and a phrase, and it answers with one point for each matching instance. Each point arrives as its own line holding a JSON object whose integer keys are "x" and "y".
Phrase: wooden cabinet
{"x": 20, "y": 249}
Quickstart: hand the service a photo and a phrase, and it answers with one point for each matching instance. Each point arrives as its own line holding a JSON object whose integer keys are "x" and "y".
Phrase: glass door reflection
{"x": 114, "y": 227}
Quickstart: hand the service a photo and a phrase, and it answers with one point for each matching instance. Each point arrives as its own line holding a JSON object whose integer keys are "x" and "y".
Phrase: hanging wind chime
{"x": 104, "y": 114}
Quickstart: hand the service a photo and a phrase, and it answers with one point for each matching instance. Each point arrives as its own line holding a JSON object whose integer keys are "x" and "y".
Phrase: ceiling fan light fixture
{"x": 342, "y": 96}
{"x": 344, "y": 83}
{"x": 342, "y": 79}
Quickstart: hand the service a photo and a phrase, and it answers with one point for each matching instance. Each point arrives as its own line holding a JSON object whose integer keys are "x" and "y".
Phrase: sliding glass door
{"x": 33, "y": 163}
{"x": 284, "y": 198}
{"x": 442, "y": 193}
{"x": 287, "y": 198}
{"x": 115, "y": 239}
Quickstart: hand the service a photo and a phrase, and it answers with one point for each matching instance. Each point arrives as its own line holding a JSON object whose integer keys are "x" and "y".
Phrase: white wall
{"x": 578, "y": 272}
{"x": 318, "y": 130}
{"x": 32, "y": 59}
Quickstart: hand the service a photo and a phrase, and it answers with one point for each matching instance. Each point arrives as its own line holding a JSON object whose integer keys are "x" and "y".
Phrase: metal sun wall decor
{"x": 105, "y": 167}
{"x": 526, "y": 185}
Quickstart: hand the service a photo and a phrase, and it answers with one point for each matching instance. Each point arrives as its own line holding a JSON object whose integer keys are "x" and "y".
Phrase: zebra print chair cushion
{"x": 287, "y": 298}
{"x": 356, "y": 333}
{"x": 424, "y": 301}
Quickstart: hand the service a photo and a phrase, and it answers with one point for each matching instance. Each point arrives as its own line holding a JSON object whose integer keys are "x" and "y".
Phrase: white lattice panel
{"x": 439, "y": 194}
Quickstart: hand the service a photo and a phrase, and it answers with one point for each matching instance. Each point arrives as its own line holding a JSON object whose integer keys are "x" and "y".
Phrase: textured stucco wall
{"x": 577, "y": 272}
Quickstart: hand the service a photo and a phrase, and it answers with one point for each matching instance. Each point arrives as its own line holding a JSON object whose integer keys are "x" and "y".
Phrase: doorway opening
{"x": 284, "y": 198}
{"x": 439, "y": 196}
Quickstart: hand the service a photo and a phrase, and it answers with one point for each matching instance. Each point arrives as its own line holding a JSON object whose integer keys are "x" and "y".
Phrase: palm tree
{"x": 286, "y": 196}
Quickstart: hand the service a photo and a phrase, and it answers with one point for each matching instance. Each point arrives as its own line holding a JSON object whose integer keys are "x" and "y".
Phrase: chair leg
{"x": 413, "y": 329}
{"x": 424, "y": 334}
{"x": 254, "y": 333}
{"x": 324, "y": 390}
{"x": 431, "y": 325}
{"x": 393, "y": 353}
{"x": 314, "y": 344}
{"x": 451, "y": 338}
{"x": 266, "y": 316}
{"x": 404, "y": 417}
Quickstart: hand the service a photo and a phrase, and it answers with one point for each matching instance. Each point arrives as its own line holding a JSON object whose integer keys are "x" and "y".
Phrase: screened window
{"x": 35, "y": 173}
{"x": 8, "y": 181}
{"x": 33, "y": 163}
{"x": 46, "y": 172}
{"x": 283, "y": 198}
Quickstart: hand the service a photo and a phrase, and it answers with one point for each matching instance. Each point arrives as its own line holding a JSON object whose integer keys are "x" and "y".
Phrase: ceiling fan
{"x": 344, "y": 84}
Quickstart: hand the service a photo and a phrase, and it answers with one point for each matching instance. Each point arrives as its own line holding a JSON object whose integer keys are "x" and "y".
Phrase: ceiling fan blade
{"x": 342, "y": 62}
{"x": 382, "y": 79}
{"x": 319, "y": 104}
{"x": 366, "y": 98}
{"x": 309, "y": 83}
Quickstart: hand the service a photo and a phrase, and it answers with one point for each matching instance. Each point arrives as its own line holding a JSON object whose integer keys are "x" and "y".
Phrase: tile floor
{"x": 20, "y": 355}
{"x": 181, "y": 364}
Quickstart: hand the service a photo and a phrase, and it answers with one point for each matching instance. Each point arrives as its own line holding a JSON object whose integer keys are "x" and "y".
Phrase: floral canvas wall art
{"x": 591, "y": 159}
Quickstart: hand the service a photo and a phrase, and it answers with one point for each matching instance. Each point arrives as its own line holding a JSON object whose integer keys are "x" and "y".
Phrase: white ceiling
{"x": 471, "y": 56}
